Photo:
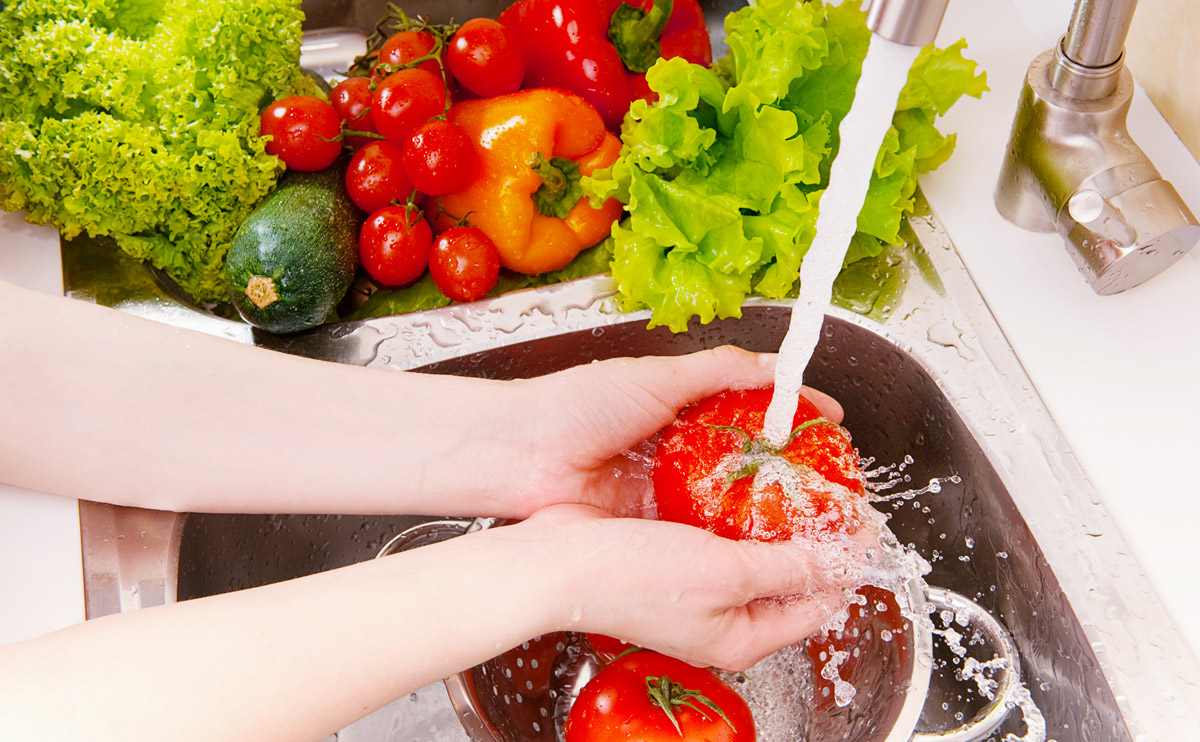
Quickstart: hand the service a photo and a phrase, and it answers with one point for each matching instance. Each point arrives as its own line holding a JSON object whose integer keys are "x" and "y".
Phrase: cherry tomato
{"x": 375, "y": 176}
{"x": 404, "y": 47}
{"x": 464, "y": 263}
{"x": 406, "y": 99}
{"x": 439, "y": 158}
{"x": 305, "y": 132}
{"x": 642, "y": 696}
{"x": 393, "y": 245}
{"x": 351, "y": 99}
{"x": 486, "y": 58}
{"x": 712, "y": 434}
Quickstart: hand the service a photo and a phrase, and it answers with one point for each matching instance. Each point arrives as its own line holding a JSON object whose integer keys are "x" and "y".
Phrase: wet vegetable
{"x": 713, "y": 221}
{"x": 141, "y": 121}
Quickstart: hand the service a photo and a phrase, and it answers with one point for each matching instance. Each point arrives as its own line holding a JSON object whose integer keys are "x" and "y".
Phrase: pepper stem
{"x": 561, "y": 185}
{"x": 635, "y": 33}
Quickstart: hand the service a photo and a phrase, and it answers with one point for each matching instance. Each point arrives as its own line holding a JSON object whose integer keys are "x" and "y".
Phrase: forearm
{"x": 291, "y": 661}
{"x": 120, "y": 409}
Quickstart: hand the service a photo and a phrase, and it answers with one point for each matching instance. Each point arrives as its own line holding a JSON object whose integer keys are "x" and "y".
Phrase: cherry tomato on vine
{"x": 305, "y": 132}
{"x": 351, "y": 99}
{"x": 650, "y": 697}
{"x": 375, "y": 176}
{"x": 404, "y": 47}
{"x": 486, "y": 58}
{"x": 393, "y": 245}
{"x": 406, "y": 99}
{"x": 439, "y": 158}
{"x": 464, "y": 263}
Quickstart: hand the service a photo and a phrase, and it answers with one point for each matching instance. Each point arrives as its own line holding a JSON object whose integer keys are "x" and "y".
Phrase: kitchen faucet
{"x": 1071, "y": 165}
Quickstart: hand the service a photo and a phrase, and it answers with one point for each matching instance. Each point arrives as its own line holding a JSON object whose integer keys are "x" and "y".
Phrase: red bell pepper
{"x": 601, "y": 49}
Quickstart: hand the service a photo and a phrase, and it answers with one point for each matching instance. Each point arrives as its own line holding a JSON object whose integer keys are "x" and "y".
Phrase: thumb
{"x": 797, "y": 569}
{"x": 694, "y": 376}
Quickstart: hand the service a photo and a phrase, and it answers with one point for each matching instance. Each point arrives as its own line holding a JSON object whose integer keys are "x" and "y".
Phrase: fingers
{"x": 680, "y": 380}
{"x": 828, "y": 406}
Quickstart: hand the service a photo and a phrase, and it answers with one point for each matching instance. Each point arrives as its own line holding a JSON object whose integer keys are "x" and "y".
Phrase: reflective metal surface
{"x": 1071, "y": 165}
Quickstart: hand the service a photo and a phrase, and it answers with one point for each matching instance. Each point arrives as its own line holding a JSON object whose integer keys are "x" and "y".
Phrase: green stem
{"x": 636, "y": 33}
{"x": 561, "y": 185}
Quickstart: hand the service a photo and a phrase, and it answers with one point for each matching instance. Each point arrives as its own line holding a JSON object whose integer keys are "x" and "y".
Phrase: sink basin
{"x": 931, "y": 391}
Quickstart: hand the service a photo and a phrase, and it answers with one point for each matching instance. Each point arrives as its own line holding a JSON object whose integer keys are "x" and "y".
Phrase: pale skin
{"x": 181, "y": 421}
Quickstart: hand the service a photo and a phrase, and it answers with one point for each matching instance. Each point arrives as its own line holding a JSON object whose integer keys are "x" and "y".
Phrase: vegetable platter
{"x": 472, "y": 157}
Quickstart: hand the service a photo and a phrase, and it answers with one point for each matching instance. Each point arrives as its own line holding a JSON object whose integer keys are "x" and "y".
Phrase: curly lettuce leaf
{"x": 139, "y": 119}
{"x": 723, "y": 177}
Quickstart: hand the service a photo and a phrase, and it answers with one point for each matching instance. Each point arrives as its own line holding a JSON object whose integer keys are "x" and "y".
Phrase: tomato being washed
{"x": 650, "y": 697}
{"x": 710, "y": 472}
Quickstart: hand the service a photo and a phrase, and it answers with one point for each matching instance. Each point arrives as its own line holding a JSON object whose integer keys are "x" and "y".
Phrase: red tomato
{"x": 305, "y": 132}
{"x": 404, "y": 47}
{"x": 607, "y": 647}
{"x": 486, "y": 58}
{"x": 464, "y": 263}
{"x": 863, "y": 629}
{"x": 393, "y": 245}
{"x": 439, "y": 158}
{"x": 650, "y": 697}
{"x": 406, "y": 99}
{"x": 375, "y": 176}
{"x": 351, "y": 99}
{"x": 710, "y": 436}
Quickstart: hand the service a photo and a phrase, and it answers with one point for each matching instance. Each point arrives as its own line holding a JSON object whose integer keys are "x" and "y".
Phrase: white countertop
{"x": 1119, "y": 373}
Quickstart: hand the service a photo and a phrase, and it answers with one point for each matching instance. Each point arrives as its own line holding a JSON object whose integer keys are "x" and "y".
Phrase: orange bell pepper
{"x": 534, "y": 146}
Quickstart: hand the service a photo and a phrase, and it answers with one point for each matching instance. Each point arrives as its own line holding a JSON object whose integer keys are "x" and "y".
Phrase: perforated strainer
{"x": 523, "y": 694}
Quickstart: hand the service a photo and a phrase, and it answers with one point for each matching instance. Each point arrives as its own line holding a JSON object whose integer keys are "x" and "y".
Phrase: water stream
{"x": 884, "y": 72}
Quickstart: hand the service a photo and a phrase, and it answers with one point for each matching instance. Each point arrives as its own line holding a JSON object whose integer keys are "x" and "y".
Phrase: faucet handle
{"x": 1121, "y": 237}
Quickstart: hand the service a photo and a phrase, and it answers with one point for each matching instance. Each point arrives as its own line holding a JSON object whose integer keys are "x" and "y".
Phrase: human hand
{"x": 591, "y": 422}
{"x": 683, "y": 591}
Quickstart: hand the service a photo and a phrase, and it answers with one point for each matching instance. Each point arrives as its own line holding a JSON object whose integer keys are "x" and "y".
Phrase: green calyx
{"x": 757, "y": 450}
{"x": 635, "y": 33}
{"x": 561, "y": 185}
{"x": 671, "y": 697}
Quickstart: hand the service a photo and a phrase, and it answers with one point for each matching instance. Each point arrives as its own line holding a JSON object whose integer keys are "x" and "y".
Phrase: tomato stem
{"x": 671, "y": 697}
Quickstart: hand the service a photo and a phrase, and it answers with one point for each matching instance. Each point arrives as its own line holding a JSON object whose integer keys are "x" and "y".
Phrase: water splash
{"x": 884, "y": 73}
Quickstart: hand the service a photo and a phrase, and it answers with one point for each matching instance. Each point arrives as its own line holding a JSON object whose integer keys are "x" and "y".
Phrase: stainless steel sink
{"x": 930, "y": 387}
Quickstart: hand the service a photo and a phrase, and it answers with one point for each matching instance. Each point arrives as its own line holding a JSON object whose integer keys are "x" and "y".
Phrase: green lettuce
{"x": 722, "y": 176}
{"x": 139, "y": 119}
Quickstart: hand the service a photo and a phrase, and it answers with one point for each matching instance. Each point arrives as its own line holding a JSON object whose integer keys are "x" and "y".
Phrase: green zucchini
{"x": 294, "y": 257}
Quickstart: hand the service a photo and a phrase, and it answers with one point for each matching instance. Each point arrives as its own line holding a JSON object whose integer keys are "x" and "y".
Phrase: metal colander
{"x": 523, "y": 694}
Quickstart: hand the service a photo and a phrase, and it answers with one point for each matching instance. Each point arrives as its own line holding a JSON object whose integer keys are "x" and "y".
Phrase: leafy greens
{"x": 722, "y": 177}
{"x": 139, "y": 119}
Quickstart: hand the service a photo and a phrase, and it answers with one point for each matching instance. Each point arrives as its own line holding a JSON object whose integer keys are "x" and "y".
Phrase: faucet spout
{"x": 908, "y": 22}
{"x": 1072, "y": 167}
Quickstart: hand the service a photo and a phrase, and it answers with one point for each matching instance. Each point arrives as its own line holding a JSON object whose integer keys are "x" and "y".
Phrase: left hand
{"x": 588, "y": 422}
{"x": 679, "y": 589}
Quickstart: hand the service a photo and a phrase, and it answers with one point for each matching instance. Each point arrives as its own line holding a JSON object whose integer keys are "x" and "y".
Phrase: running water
{"x": 884, "y": 72}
